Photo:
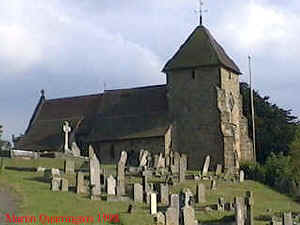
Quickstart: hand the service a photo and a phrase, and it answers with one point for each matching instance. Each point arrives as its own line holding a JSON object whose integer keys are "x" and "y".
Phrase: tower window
{"x": 193, "y": 74}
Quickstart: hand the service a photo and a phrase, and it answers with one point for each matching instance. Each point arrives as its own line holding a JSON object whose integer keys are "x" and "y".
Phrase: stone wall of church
{"x": 192, "y": 98}
{"x": 109, "y": 152}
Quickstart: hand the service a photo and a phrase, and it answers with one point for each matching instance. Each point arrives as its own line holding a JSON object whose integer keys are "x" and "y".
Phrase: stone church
{"x": 197, "y": 112}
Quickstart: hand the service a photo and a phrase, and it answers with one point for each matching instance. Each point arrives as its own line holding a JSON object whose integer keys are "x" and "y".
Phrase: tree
{"x": 275, "y": 127}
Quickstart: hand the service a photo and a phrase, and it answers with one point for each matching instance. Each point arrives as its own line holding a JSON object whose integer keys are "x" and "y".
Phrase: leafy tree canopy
{"x": 275, "y": 127}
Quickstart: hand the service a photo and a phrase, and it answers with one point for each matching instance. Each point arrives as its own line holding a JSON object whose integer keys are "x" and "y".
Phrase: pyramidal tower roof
{"x": 200, "y": 49}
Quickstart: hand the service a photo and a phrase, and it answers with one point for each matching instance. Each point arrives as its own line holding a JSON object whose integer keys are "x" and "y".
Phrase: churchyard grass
{"x": 35, "y": 198}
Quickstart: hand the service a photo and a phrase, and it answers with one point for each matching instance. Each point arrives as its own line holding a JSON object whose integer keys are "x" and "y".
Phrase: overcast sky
{"x": 71, "y": 47}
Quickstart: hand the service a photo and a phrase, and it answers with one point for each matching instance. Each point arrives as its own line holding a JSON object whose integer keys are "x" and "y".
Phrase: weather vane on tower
{"x": 201, "y": 11}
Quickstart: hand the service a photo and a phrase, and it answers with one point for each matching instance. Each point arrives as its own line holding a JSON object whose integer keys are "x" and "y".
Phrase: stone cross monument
{"x": 67, "y": 130}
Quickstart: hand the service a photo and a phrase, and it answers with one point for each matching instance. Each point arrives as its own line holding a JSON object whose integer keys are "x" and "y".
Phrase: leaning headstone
{"x": 160, "y": 218}
{"x": 249, "y": 202}
{"x": 64, "y": 184}
{"x": 55, "y": 184}
{"x": 188, "y": 215}
{"x": 80, "y": 185}
{"x": 213, "y": 185}
{"x": 201, "y": 193}
{"x": 181, "y": 170}
{"x": 75, "y": 149}
{"x": 111, "y": 185}
{"x": 206, "y": 166}
{"x": 153, "y": 203}
{"x": 287, "y": 219}
{"x": 164, "y": 194}
{"x": 239, "y": 211}
{"x": 138, "y": 193}
{"x": 242, "y": 176}
{"x": 143, "y": 159}
{"x": 69, "y": 166}
{"x": 219, "y": 169}
{"x": 94, "y": 174}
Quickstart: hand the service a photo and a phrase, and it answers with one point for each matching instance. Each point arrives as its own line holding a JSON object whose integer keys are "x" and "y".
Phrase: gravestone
{"x": 156, "y": 157}
{"x": 188, "y": 215}
{"x": 172, "y": 216}
{"x": 160, "y": 218}
{"x": 75, "y": 149}
{"x": 50, "y": 173}
{"x": 213, "y": 185}
{"x": 242, "y": 176}
{"x": 239, "y": 211}
{"x": 64, "y": 184}
{"x": 219, "y": 169}
{"x": 201, "y": 198}
{"x": 175, "y": 167}
{"x": 67, "y": 130}
{"x": 143, "y": 159}
{"x": 121, "y": 174}
{"x": 161, "y": 163}
{"x": 153, "y": 203}
{"x": 111, "y": 185}
{"x": 138, "y": 192}
{"x": 186, "y": 197}
{"x": 181, "y": 170}
{"x": 206, "y": 166}
{"x": 249, "y": 202}
{"x": 164, "y": 193}
{"x": 184, "y": 161}
{"x": 55, "y": 184}
{"x": 80, "y": 185}
{"x": 69, "y": 167}
{"x": 287, "y": 219}
{"x": 94, "y": 174}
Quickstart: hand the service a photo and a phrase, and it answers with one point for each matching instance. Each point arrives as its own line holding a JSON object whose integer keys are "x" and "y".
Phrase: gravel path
{"x": 7, "y": 205}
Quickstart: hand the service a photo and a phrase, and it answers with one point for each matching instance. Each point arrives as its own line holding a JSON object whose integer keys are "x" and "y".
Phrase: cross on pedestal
{"x": 66, "y": 129}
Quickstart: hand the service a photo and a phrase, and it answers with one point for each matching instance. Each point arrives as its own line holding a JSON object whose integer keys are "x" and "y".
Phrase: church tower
{"x": 205, "y": 103}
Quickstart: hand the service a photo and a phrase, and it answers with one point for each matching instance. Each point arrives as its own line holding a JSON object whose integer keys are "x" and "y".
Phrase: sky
{"x": 78, "y": 47}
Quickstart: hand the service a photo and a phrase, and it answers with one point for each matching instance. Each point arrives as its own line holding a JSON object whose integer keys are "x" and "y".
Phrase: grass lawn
{"x": 35, "y": 197}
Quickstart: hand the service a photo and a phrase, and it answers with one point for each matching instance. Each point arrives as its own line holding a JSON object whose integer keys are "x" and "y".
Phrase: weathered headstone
{"x": 181, "y": 170}
{"x": 161, "y": 163}
{"x": 206, "y": 166}
{"x": 221, "y": 204}
{"x": 186, "y": 197}
{"x": 75, "y": 149}
{"x": 143, "y": 159}
{"x": 184, "y": 161}
{"x": 50, "y": 173}
{"x": 188, "y": 215}
{"x": 213, "y": 185}
{"x": 242, "y": 176}
{"x": 201, "y": 198}
{"x": 219, "y": 169}
{"x": 138, "y": 193}
{"x": 64, "y": 184}
{"x": 164, "y": 194}
{"x": 239, "y": 211}
{"x": 249, "y": 202}
{"x": 94, "y": 174}
{"x": 160, "y": 218}
{"x": 175, "y": 167}
{"x": 67, "y": 130}
{"x": 156, "y": 157}
{"x": 172, "y": 216}
{"x": 121, "y": 174}
{"x": 153, "y": 203}
{"x": 80, "y": 185}
{"x": 111, "y": 185}
{"x": 69, "y": 166}
{"x": 287, "y": 219}
{"x": 55, "y": 184}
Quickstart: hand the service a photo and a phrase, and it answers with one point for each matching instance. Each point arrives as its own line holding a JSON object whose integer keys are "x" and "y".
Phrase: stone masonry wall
{"x": 192, "y": 98}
